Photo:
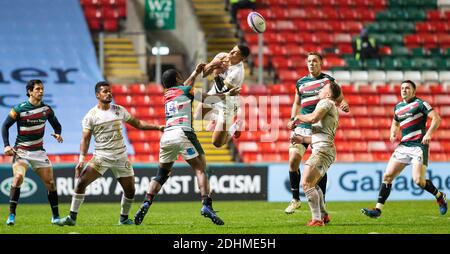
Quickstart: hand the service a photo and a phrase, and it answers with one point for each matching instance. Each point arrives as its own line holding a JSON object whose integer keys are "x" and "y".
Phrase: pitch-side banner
{"x": 361, "y": 182}
{"x": 226, "y": 183}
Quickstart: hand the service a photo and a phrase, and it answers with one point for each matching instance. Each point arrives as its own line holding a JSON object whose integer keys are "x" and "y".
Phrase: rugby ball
{"x": 256, "y": 22}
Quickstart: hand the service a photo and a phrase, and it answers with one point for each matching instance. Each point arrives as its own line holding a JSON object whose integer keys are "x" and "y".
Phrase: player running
{"x": 28, "y": 150}
{"x": 324, "y": 122}
{"x": 306, "y": 99}
{"x": 104, "y": 122}
{"x": 228, "y": 71}
{"x": 410, "y": 116}
{"x": 179, "y": 138}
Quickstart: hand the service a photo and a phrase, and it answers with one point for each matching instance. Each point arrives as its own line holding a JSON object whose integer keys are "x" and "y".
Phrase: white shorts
{"x": 35, "y": 159}
{"x": 321, "y": 159}
{"x": 177, "y": 141}
{"x": 120, "y": 167}
{"x": 300, "y": 148}
{"x": 410, "y": 154}
{"x": 225, "y": 111}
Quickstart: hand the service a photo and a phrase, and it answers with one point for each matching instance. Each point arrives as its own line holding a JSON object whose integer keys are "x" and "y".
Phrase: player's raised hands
{"x": 199, "y": 68}
{"x": 57, "y": 137}
{"x": 235, "y": 91}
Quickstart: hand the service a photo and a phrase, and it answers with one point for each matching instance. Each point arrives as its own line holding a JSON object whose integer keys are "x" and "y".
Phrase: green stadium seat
{"x": 436, "y": 52}
{"x": 384, "y": 15}
{"x": 372, "y": 64}
{"x": 394, "y": 38}
{"x": 405, "y": 63}
{"x": 381, "y": 38}
{"x": 419, "y": 52}
{"x": 353, "y": 64}
{"x": 400, "y": 51}
{"x": 406, "y": 27}
{"x": 422, "y": 64}
{"x": 447, "y": 52}
{"x": 441, "y": 63}
{"x": 391, "y": 64}
{"x": 373, "y": 27}
{"x": 416, "y": 14}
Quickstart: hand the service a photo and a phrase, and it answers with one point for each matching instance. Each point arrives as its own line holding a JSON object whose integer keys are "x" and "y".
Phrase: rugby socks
{"x": 206, "y": 200}
{"x": 314, "y": 203}
{"x": 294, "y": 179}
{"x": 323, "y": 185}
{"x": 383, "y": 195}
{"x": 53, "y": 200}
{"x": 323, "y": 208}
{"x": 429, "y": 186}
{"x": 125, "y": 205}
{"x": 149, "y": 198}
{"x": 14, "y": 194}
{"x": 77, "y": 200}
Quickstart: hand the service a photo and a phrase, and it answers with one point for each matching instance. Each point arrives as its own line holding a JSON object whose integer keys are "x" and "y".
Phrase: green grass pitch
{"x": 241, "y": 217}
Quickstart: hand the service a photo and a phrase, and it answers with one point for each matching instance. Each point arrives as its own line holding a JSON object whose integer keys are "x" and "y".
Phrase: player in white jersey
{"x": 228, "y": 71}
{"x": 104, "y": 122}
{"x": 324, "y": 120}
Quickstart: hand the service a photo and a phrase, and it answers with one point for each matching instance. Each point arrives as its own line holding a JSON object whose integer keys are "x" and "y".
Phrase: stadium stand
{"x": 104, "y": 14}
{"x": 414, "y": 45}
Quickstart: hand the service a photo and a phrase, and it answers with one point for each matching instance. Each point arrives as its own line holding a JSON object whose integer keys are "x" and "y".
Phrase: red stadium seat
{"x": 89, "y": 2}
{"x": 434, "y": 15}
{"x": 363, "y": 157}
{"x": 111, "y": 25}
{"x": 92, "y": 12}
{"x": 94, "y": 24}
{"x": 110, "y": 13}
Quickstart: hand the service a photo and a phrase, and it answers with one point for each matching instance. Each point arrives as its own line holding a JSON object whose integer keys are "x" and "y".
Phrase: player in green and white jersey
{"x": 30, "y": 117}
{"x": 306, "y": 99}
{"x": 410, "y": 116}
{"x": 179, "y": 138}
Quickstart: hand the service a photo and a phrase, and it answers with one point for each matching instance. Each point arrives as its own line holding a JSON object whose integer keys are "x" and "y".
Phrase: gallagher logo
{"x": 27, "y": 189}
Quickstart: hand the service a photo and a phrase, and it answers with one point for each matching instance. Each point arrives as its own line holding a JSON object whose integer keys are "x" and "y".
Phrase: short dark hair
{"x": 314, "y": 53}
{"x": 31, "y": 83}
{"x": 100, "y": 84}
{"x": 169, "y": 78}
{"x": 335, "y": 90}
{"x": 245, "y": 51}
{"x": 410, "y": 82}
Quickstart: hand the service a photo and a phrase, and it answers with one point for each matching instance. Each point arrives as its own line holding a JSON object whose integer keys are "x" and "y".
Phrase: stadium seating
{"x": 362, "y": 135}
{"x": 104, "y": 15}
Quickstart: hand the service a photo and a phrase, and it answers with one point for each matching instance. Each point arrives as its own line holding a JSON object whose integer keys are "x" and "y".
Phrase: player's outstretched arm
{"x": 143, "y": 125}
{"x": 314, "y": 117}
{"x": 194, "y": 74}
{"x": 233, "y": 92}
{"x": 9, "y": 121}
{"x": 219, "y": 63}
{"x": 435, "y": 121}
{"x": 84, "y": 147}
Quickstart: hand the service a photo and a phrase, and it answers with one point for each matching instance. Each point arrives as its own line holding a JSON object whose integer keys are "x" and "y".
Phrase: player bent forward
{"x": 104, "y": 121}
{"x": 410, "y": 116}
{"x": 324, "y": 120}
{"x": 179, "y": 138}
